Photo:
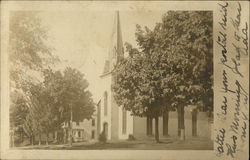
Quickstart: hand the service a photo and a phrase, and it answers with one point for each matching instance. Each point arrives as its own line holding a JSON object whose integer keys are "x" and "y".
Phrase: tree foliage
{"x": 27, "y": 39}
{"x": 28, "y": 54}
{"x": 66, "y": 90}
{"x": 41, "y": 99}
{"x": 18, "y": 109}
{"x": 173, "y": 65}
{"x": 50, "y": 102}
{"x": 29, "y": 49}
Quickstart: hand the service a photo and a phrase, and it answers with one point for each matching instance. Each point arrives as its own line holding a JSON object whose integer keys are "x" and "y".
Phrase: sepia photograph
{"x": 124, "y": 80}
{"x": 140, "y": 83}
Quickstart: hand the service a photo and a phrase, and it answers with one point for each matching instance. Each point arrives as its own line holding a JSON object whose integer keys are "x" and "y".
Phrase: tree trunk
{"x": 21, "y": 135}
{"x": 70, "y": 134}
{"x": 165, "y": 123}
{"x": 47, "y": 138}
{"x": 181, "y": 122}
{"x": 64, "y": 136}
{"x": 55, "y": 138}
{"x": 31, "y": 140}
{"x": 39, "y": 143}
{"x": 13, "y": 139}
{"x": 157, "y": 129}
{"x": 60, "y": 136}
{"x": 149, "y": 126}
{"x": 70, "y": 137}
{"x": 194, "y": 123}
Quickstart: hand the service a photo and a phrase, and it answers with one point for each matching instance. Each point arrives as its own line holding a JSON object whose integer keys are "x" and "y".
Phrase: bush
{"x": 131, "y": 137}
{"x": 102, "y": 138}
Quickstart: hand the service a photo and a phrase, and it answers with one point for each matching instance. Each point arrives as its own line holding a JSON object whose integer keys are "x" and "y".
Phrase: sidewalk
{"x": 170, "y": 143}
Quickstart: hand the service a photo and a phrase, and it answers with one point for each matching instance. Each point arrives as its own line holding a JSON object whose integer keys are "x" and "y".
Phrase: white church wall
{"x": 204, "y": 127}
{"x": 106, "y": 87}
{"x": 130, "y": 120}
{"x": 129, "y": 125}
{"x": 188, "y": 123}
{"x": 173, "y": 124}
{"x": 140, "y": 127}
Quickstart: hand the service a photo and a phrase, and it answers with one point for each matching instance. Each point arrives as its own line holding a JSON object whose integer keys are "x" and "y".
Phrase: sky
{"x": 81, "y": 39}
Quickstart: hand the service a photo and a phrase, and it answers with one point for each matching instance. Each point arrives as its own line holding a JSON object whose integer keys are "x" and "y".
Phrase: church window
{"x": 93, "y": 122}
{"x": 105, "y": 103}
{"x": 124, "y": 121}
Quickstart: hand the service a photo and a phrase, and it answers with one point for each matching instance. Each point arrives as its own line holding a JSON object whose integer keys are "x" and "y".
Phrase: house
{"x": 85, "y": 130}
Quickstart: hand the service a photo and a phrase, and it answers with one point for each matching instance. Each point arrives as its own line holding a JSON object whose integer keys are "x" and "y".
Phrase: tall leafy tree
{"x": 60, "y": 98}
{"x": 29, "y": 50}
{"x": 69, "y": 97}
{"x": 28, "y": 128}
{"x": 19, "y": 109}
{"x": 43, "y": 119}
{"x": 173, "y": 65}
{"x": 66, "y": 90}
{"x": 29, "y": 54}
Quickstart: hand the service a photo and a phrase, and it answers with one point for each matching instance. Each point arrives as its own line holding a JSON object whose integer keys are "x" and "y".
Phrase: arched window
{"x": 105, "y": 103}
{"x": 124, "y": 121}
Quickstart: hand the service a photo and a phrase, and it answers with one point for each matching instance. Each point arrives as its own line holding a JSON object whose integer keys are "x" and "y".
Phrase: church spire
{"x": 116, "y": 52}
{"x": 120, "y": 53}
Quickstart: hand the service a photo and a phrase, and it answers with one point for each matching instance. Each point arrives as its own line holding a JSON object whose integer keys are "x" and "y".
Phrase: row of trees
{"x": 171, "y": 69}
{"x": 42, "y": 100}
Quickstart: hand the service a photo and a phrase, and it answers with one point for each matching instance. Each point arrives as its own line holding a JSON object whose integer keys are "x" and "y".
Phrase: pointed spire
{"x": 116, "y": 52}
{"x": 120, "y": 53}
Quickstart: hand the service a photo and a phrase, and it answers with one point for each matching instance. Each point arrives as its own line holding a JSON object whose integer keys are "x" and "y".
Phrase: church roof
{"x": 106, "y": 67}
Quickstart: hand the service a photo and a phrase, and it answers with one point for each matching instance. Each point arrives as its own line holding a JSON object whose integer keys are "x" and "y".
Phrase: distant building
{"x": 85, "y": 130}
{"x": 117, "y": 123}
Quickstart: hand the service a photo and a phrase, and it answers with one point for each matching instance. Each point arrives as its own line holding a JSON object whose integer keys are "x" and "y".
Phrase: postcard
{"x": 125, "y": 80}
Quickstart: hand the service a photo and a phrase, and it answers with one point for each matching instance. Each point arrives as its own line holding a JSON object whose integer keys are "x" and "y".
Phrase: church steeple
{"x": 116, "y": 52}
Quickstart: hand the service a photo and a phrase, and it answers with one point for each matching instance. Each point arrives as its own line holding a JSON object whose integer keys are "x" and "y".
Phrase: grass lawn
{"x": 149, "y": 144}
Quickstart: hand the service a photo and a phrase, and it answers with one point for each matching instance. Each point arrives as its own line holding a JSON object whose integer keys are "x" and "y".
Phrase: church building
{"x": 115, "y": 122}
{"x": 118, "y": 124}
